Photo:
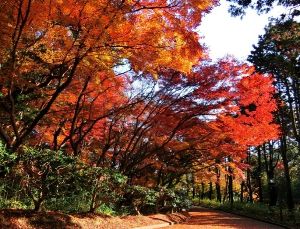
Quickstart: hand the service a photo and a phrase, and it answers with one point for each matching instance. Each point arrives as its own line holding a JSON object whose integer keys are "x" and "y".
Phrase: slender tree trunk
{"x": 226, "y": 188}
{"x": 202, "y": 190}
{"x": 187, "y": 185}
{"x": 36, "y": 201}
{"x": 242, "y": 192}
{"x": 230, "y": 189}
{"x": 199, "y": 195}
{"x": 272, "y": 189}
{"x": 93, "y": 202}
{"x": 218, "y": 192}
{"x": 230, "y": 186}
{"x": 259, "y": 182}
{"x": 283, "y": 145}
{"x": 249, "y": 186}
{"x": 210, "y": 190}
{"x": 230, "y": 183}
{"x": 38, "y": 204}
{"x": 289, "y": 194}
{"x": 218, "y": 187}
{"x": 193, "y": 186}
{"x": 194, "y": 192}
{"x": 159, "y": 177}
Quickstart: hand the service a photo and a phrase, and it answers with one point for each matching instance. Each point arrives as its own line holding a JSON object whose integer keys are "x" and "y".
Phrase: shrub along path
{"x": 208, "y": 218}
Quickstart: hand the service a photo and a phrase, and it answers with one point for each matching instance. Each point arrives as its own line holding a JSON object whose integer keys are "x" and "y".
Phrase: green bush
{"x": 92, "y": 189}
{"x": 106, "y": 186}
{"x": 142, "y": 196}
{"x": 74, "y": 203}
{"x": 11, "y": 195}
{"x": 177, "y": 198}
{"x": 107, "y": 209}
{"x": 54, "y": 180}
{"x": 7, "y": 159}
{"x": 48, "y": 175}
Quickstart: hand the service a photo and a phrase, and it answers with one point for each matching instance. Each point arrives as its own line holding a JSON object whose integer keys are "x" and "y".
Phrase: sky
{"x": 224, "y": 34}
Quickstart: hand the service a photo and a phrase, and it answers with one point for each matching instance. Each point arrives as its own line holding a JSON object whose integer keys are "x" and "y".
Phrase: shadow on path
{"x": 41, "y": 220}
{"x": 208, "y": 218}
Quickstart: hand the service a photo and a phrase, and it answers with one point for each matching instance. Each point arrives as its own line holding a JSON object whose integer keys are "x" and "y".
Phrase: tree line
{"x": 114, "y": 103}
{"x": 272, "y": 176}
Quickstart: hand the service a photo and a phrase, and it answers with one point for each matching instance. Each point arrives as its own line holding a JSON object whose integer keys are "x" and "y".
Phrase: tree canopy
{"x": 114, "y": 102}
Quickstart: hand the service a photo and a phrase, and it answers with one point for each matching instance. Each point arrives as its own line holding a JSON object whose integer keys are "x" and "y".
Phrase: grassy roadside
{"x": 255, "y": 210}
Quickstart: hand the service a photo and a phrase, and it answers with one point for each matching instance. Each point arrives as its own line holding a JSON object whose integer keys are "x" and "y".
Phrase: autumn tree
{"x": 248, "y": 122}
{"x": 49, "y": 44}
{"x": 125, "y": 86}
{"x": 177, "y": 124}
{"x": 277, "y": 52}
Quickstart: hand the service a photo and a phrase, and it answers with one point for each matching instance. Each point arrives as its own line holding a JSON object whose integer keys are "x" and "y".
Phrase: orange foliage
{"x": 253, "y": 122}
{"x": 50, "y": 46}
{"x": 59, "y": 85}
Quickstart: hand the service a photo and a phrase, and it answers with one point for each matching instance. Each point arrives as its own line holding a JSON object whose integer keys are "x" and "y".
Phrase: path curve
{"x": 208, "y": 219}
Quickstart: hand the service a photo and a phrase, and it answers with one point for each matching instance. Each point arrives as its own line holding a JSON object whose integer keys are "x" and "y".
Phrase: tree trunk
{"x": 249, "y": 187}
{"x": 199, "y": 194}
{"x": 272, "y": 189}
{"x": 202, "y": 191}
{"x": 226, "y": 188}
{"x": 187, "y": 186}
{"x": 230, "y": 189}
{"x": 289, "y": 194}
{"x": 36, "y": 201}
{"x": 259, "y": 182}
{"x": 210, "y": 190}
{"x": 193, "y": 186}
{"x": 137, "y": 210}
{"x": 218, "y": 187}
{"x": 38, "y": 204}
{"x": 218, "y": 192}
{"x": 230, "y": 184}
{"x": 242, "y": 192}
{"x": 93, "y": 202}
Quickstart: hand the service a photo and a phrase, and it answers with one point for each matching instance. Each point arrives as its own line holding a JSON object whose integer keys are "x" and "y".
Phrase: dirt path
{"x": 206, "y": 218}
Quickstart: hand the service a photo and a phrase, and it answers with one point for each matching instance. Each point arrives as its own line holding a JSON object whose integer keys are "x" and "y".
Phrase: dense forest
{"x": 113, "y": 105}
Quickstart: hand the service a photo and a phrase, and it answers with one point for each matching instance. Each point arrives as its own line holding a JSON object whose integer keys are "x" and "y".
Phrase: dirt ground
{"x": 202, "y": 218}
{"x": 208, "y": 219}
{"x": 19, "y": 219}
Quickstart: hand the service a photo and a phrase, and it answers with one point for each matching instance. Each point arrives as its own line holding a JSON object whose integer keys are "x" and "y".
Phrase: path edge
{"x": 161, "y": 225}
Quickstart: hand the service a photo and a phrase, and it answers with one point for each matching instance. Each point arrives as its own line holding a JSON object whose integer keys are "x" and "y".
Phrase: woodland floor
{"x": 19, "y": 219}
{"x": 200, "y": 218}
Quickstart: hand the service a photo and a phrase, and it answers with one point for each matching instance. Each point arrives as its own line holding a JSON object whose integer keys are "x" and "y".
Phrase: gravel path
{"x": 207, "y": 218}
